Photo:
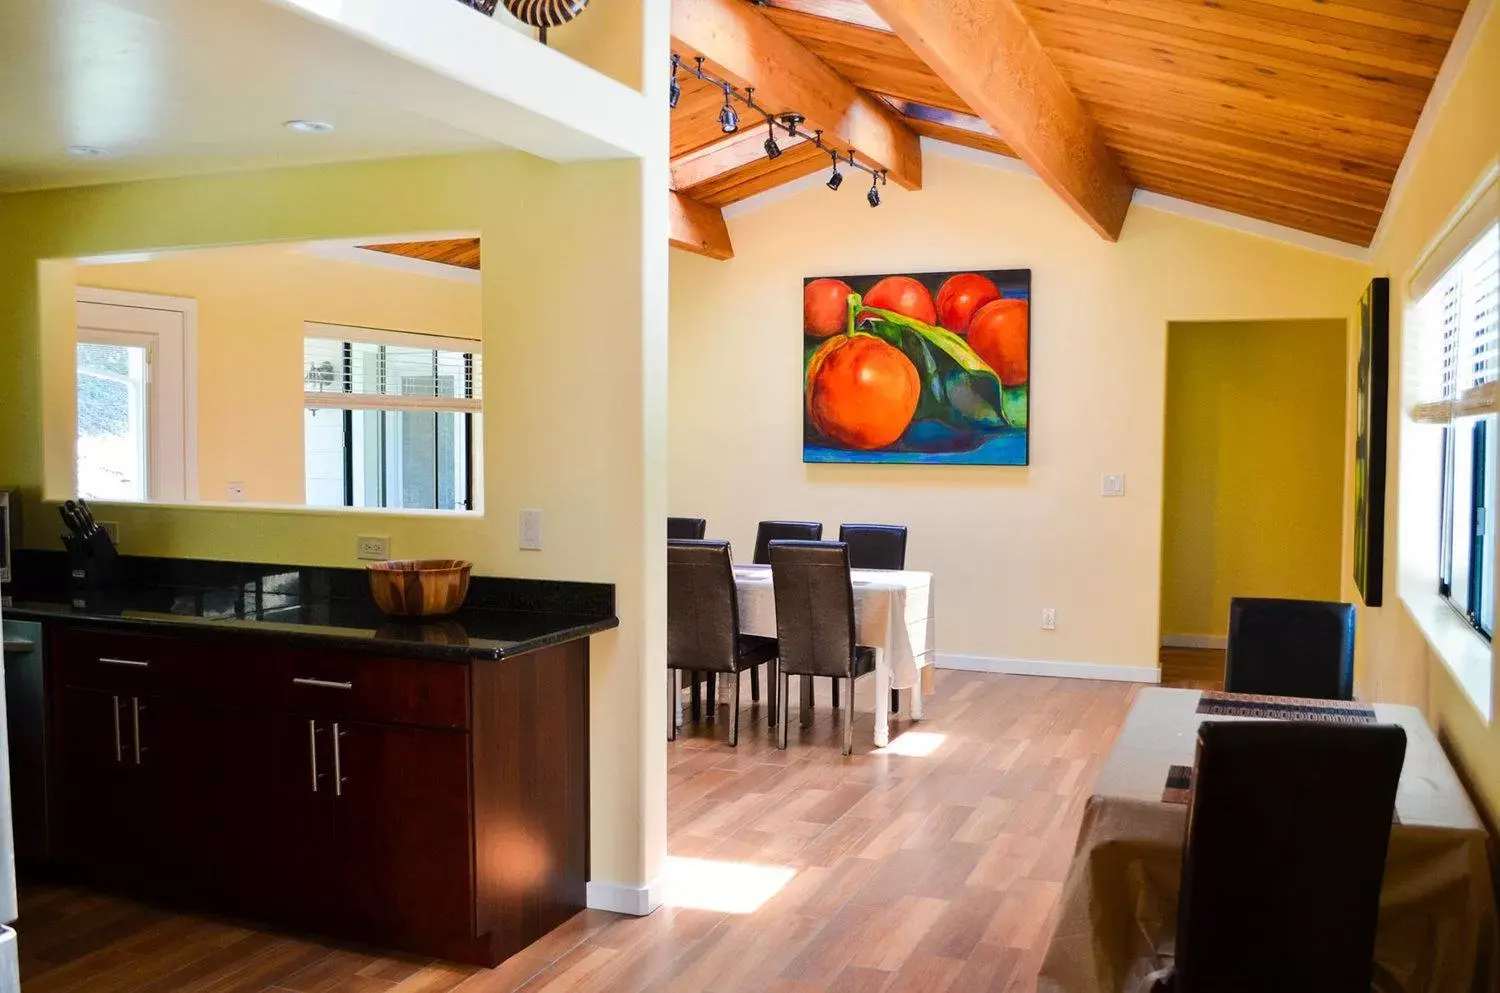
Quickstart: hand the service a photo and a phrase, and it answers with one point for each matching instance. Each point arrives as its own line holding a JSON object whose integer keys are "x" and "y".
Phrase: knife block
{"x": 93, "y": 563}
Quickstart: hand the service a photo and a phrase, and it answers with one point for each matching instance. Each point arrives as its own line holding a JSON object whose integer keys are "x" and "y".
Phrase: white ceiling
{"x": 176, "y": 87}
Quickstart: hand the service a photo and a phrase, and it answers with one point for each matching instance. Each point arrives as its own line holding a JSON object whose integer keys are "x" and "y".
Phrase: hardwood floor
{"x": 932, "y": 866}
{"x": 1193, "y": 668}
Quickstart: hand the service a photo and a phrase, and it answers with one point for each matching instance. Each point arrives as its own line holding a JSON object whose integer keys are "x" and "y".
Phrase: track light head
{"x": 729, "y": 121}
{"x": 772, "y": 149}
{"x": 836, "y": 180}
{"x": 674, "y": 92}
{"x": 874, "y": 195}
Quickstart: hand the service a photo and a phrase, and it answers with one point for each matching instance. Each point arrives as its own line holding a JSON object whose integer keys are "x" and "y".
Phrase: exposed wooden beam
{"x": 745, "y": 147}
{"x": 986, "y": 51}
{"x": 698, "y": 228}
{"x": 753, "y": 50}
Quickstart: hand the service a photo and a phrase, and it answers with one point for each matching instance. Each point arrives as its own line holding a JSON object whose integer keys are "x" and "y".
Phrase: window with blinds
{"x": 1458, "y": 389}
{"x": 389, "y": 418}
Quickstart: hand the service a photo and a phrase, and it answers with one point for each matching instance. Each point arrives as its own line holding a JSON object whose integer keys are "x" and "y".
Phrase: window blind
{"x": 1458, "y": 349}
{"x": 363, "y": 368}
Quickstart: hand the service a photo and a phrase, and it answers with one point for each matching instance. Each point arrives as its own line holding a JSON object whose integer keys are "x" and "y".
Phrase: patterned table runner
{"x": 1282, "y": 708}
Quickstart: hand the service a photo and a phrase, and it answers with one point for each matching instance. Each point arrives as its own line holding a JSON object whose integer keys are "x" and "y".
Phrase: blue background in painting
{"x": 933, "y": 442}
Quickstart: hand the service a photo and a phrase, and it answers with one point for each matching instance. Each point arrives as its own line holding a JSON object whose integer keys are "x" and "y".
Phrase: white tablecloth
{"x": 1118, "y": 916}
{"x": 892, "y": 614}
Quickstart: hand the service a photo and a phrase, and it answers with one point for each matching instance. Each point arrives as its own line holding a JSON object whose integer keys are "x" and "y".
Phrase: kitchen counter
{"x": 501, "y": 617}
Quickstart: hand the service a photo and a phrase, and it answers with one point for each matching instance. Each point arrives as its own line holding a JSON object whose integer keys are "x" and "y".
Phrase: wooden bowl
{"x": 420, "y": 587}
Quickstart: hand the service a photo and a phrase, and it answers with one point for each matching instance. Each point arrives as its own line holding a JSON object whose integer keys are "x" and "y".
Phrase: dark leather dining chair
{"x": 692, "y": 528}
{"x": 1285, "y": 852}
{"x": 703, "y": 622}
{"x": 765, "y": 533}
{"x": 1290, "y": 648}
{"x": 815, "y": 622}
{"x": 875, "y": 546}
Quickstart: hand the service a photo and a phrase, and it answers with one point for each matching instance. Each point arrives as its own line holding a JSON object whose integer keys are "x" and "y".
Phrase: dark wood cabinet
{"x": 436, "y": 807}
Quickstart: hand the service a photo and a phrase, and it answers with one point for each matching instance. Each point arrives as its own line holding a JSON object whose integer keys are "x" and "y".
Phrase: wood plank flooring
{"x": 933, "y": 866}
{"x": 1193, "y": 668}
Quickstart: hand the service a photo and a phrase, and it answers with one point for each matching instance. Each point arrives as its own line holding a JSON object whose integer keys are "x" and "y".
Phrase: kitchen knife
{"x": 69, "y": 516}
{"x": 89, "y": 523}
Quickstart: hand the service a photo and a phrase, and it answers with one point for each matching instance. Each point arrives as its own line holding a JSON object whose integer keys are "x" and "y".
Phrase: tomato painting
{"x": 926, "y": 368}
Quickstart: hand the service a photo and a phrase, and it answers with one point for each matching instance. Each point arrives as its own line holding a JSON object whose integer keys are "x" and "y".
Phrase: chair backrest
{"x": 875, "y": 546}
{"x": 703, "y": 613}
{"x": 814, "y": 607}
{"x": 769, "y": 531}
{"x": 1286, "y": 843}
{"x": 692, "y": 528}
{"x": 1291, "y": 648}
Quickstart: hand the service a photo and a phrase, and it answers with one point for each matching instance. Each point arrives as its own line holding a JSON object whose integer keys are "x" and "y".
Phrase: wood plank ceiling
{"x": 1296, "y": 112}
{"x": 460, "y": 252}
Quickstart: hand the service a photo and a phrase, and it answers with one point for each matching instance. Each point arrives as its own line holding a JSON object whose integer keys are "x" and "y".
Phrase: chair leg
{"x": 835, "y": 682}
{"x": 849, "y": 719}
{"x": 805, "y": 683}
{"x": 895, "y": 701}
{"x": 711, "y": 688}
{"x": 697, "y": 693}
{"x": 674, "y": 696}
{"x": 782, "y": 692}
{"x": 755, "y": 684}
{"x": 734, "y": 727}
{"x": 773, "y": 694}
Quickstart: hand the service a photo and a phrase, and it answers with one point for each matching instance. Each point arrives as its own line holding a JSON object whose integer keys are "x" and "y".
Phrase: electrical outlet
{"x": 531, "y": 530}
{"x": 1049, "y": 618}
{"x": 235, "y": 492}
{"x": 376, "y": 547}
{"x": 1112, "y": 485}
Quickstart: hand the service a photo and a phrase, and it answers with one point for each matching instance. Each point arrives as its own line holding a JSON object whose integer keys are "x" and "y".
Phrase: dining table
{"x": 893, "y": 614}
{"x": 1118, "y": 909}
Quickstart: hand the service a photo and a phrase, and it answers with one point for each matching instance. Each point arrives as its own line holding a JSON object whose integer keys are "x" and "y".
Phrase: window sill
{"x": 1468, "y": 657}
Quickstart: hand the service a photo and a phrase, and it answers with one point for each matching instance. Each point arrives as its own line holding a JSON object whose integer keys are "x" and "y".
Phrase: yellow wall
{"x": 573, "y": 330}
{"x": 252, "y": 301}
{"x": 1254, "y": 479}
{"x": 1003, "y": 542}
{"x": 1395, "y": 661}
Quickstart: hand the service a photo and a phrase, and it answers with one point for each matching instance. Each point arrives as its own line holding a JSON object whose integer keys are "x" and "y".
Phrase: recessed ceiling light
{"x": 87, "y": 151}
{"x": 309, "y": 127}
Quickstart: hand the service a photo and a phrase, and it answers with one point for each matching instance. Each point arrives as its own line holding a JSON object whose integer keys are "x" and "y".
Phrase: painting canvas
{"x": 1369, "y": 443}
{"x": 927, "y": 367}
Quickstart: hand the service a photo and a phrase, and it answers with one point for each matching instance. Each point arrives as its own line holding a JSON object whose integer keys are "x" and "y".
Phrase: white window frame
{"x": 126, "y": 317}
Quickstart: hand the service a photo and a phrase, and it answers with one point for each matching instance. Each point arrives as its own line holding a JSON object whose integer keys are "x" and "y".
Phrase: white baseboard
{"x": 1218, "y": 641}
{"x": 638, "y": 901}
{"x": 1040, "y": 667}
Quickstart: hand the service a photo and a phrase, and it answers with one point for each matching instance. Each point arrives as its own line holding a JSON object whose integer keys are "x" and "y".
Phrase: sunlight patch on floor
{"x": 726, "y": 887}
{"x": 915, "y": 744}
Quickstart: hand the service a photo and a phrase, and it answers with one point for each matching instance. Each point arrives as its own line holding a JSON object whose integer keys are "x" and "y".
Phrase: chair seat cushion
{"x": 754, "y": 650}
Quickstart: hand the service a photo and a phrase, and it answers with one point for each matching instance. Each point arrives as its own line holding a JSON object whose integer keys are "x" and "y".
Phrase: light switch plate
{"x": 1112, "y": 485}
{"x": 531, "y": 530}
{"x": 1049, "y": 618}
{"x": 375, "y": 547}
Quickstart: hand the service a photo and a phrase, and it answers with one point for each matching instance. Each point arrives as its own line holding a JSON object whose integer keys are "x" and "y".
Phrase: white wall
{"x": 1003, "y": 542}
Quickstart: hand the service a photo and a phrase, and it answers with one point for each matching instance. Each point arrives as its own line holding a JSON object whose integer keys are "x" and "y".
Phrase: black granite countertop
{"x": 500, "y": 618}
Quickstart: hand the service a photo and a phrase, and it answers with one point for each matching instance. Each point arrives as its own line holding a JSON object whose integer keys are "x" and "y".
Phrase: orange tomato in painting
{"x": 825, "y": 307}
{"x": 861, "y": 392}
{"x": 960, "y": 296}
{"x": 1000, "y": 332}
{"x": 904, "y": 295}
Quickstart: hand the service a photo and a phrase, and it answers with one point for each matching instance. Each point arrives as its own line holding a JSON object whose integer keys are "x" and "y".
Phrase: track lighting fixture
{"x": 674, "y": 92}
{"x": 837, "y": 179}
{"x": 772, "y": 149}
{"x": 729, "y": 121}
{"x": 874, "y": 195}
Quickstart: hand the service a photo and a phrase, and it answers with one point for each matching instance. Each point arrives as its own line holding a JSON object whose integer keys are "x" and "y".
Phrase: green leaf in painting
{"x": 1014, "y": 404}
{"x": 959, "y": 388}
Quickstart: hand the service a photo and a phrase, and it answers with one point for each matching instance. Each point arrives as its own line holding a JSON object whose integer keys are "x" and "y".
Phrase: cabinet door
{"x": 170, "y": 747}
{"x": 274, "y": 817}
{"x": 95, "y": 798}
{"x": 402, "y": 831}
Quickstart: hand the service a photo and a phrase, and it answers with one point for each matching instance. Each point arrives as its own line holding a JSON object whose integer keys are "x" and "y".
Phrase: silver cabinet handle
{"x": 119, "y": 753}
{"x": 327, "y": 684}
{"x": 130, "y": 662}
{"x": 338, "y": 772}
{"x": 135, "y": 725}
{"x": 312, "y": 749}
